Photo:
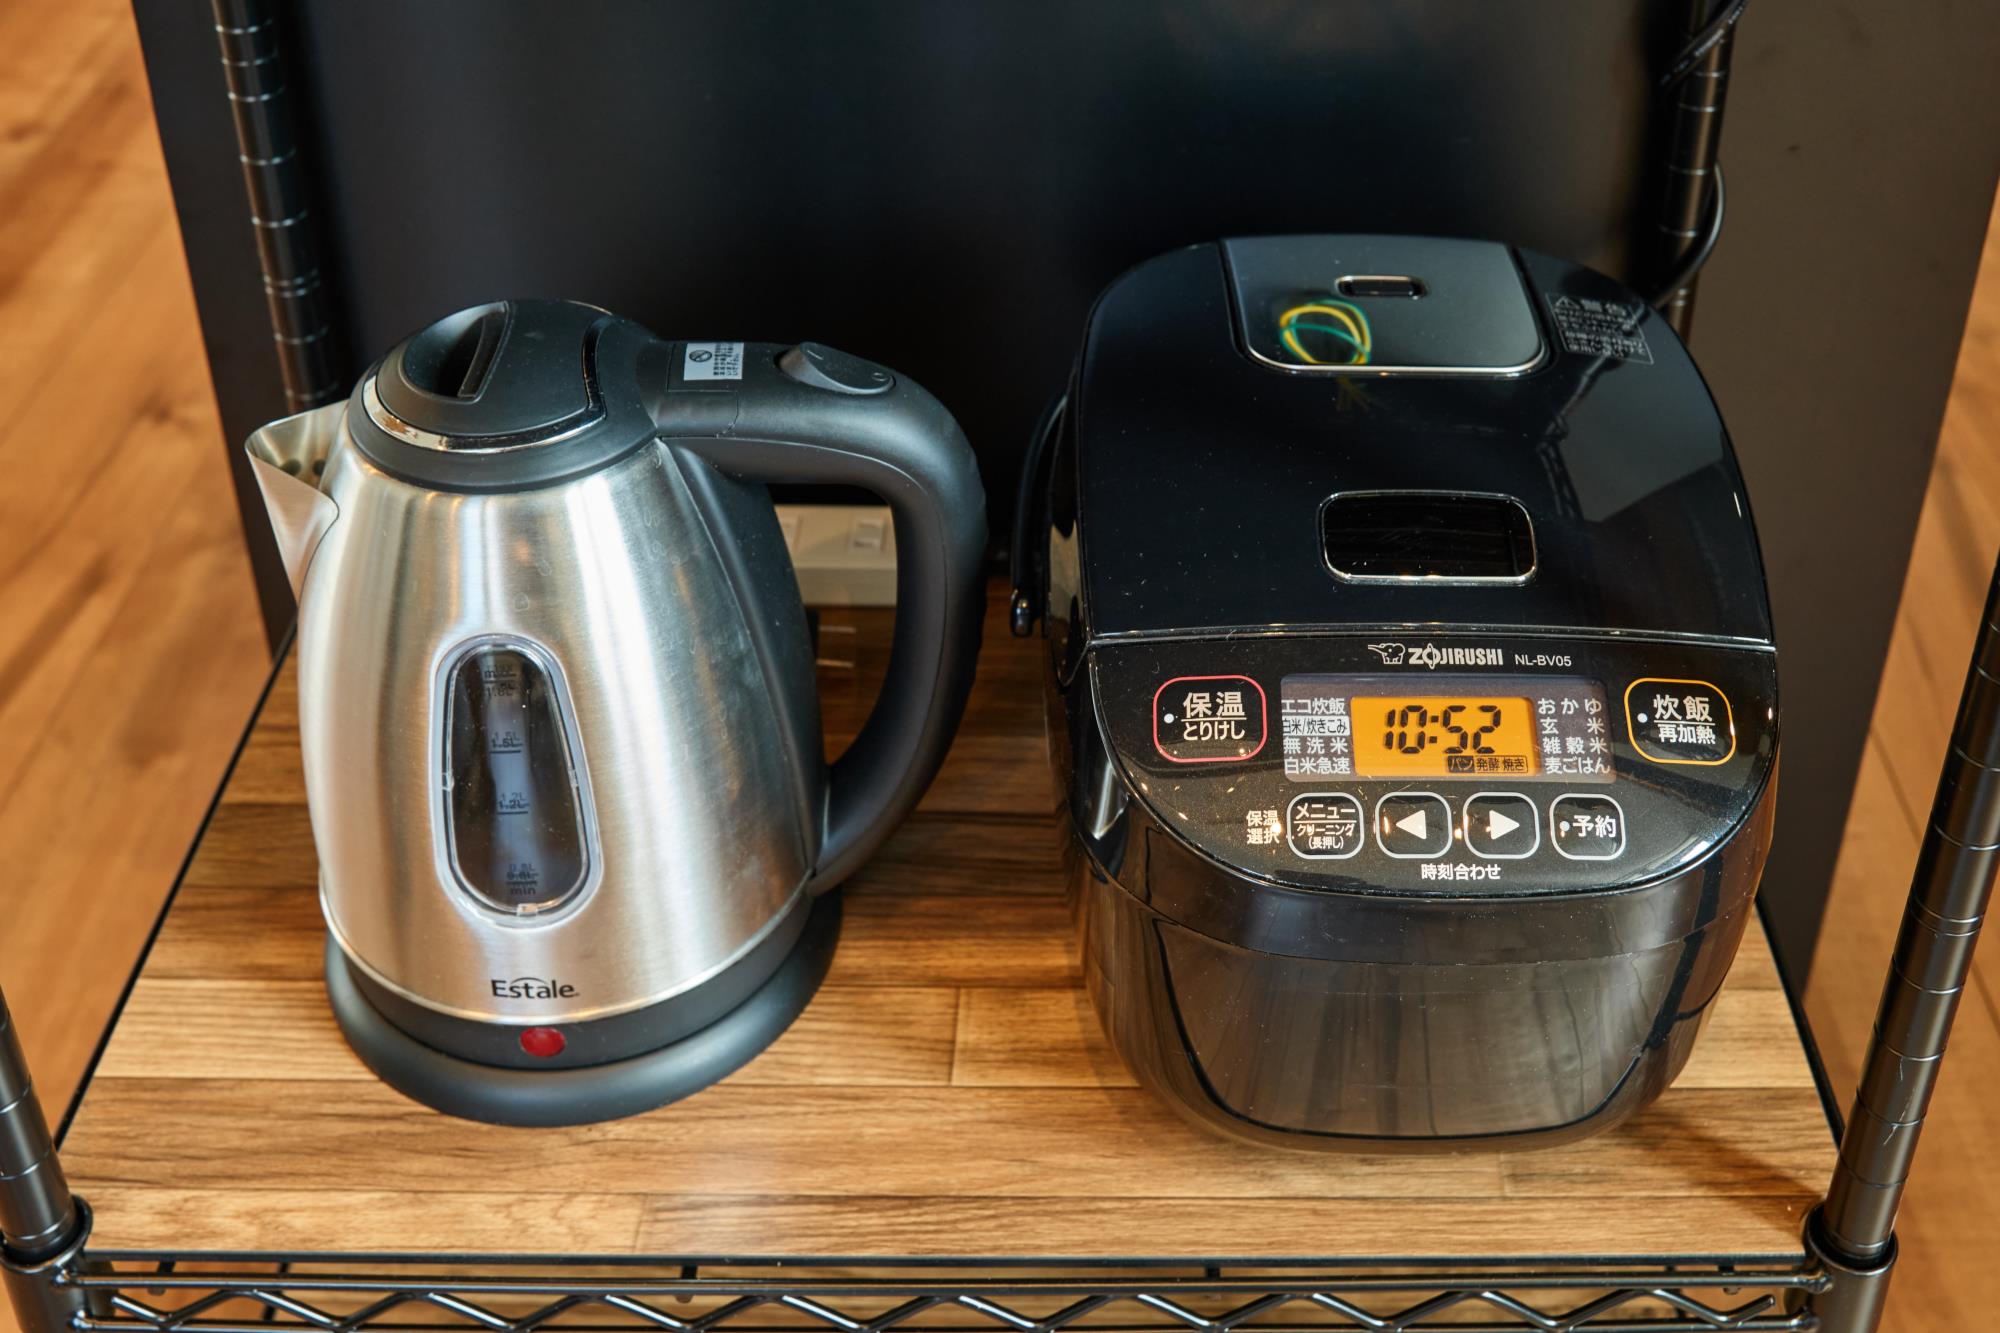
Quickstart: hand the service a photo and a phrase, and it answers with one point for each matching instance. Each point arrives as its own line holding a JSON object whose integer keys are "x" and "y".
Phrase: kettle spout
{"x": 287, "y": 457}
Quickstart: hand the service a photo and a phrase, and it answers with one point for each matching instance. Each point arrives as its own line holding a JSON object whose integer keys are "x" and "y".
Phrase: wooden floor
{"x": 129, "y": 652}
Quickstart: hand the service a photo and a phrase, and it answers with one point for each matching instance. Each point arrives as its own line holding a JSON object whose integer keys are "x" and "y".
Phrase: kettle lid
{"x": 496, "y": 371}
{"x": 506, "y": 395}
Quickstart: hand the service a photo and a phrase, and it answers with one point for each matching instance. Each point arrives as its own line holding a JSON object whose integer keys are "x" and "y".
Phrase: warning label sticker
{"x": 1591, "y": 327}
{"x": 713, "y": 361}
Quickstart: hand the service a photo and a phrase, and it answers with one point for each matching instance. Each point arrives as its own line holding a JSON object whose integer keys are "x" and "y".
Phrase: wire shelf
{"x": 776, "y": 1298}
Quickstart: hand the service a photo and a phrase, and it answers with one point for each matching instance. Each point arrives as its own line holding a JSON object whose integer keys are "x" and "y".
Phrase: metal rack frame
{"x": 750, "y": 1300}
{"x": 55, "y": 1281}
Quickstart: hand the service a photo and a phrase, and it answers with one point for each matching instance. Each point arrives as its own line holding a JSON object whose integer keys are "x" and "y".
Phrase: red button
{"x": 1208, "y": 719}
{"x": 543, "y": 1042}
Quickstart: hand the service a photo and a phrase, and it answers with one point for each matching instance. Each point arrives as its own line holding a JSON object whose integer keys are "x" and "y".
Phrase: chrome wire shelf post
{"x": 261, "y": 101}
{"x": 265, "y": 105}
{"x": 1854, "y": 1232}
{"x": 42, "y": 1225}
{"x": 1691, "y": 204}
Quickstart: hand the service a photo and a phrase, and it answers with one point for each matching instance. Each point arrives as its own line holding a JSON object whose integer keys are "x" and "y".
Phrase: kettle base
{"x": 590, "y": 1093}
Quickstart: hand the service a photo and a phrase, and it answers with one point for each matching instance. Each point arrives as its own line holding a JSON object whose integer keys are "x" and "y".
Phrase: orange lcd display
{"x": 1443, "y": 736}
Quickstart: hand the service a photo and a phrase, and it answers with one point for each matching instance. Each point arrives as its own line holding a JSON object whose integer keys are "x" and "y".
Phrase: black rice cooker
{"x": 1411, "y": 688}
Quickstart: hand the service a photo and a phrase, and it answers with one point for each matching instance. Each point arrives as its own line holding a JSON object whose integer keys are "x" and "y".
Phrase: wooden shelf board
{"x": 946, "y": 1096}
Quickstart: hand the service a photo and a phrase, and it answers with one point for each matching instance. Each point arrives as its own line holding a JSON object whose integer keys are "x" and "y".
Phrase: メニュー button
{"x": 1208, "y": 719}
{"x": 1679, "y": 721}
{"x": 1501, "y": 826}
{"x": 1323, "y": 825}
{"x": 1587, "y": 828}
{"x": 1413, "y": 825}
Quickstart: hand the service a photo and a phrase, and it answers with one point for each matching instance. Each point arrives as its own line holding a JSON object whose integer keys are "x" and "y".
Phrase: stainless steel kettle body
{"x": 556, "y": 701}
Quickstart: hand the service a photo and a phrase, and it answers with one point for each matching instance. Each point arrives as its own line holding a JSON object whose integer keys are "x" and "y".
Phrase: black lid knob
{"x": 509, "y": 395}
{"x": 509, "y": 370}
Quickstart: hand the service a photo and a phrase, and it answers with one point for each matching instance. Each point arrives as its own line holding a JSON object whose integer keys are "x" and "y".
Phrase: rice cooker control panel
{"x": 1443, "y": 763}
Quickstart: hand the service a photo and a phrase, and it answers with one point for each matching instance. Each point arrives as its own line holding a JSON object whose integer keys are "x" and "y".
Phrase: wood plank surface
{"x": 947, "y": 1095}
{"x": 892, "y": 1036}
{"x": 1291, "y": 1227}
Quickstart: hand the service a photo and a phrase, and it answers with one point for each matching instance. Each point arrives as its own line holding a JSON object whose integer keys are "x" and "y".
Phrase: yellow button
{"x": 1680, "y": 721}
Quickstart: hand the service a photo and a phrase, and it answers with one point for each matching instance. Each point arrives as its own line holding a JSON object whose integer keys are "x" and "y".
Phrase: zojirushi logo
{"x": 532, "y": 988}
{"x": 1430, "y": 656}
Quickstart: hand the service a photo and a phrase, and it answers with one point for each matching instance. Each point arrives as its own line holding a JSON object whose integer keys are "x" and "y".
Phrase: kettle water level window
{"x": 1444, "y": 727}
{"x": 514, "y": 814}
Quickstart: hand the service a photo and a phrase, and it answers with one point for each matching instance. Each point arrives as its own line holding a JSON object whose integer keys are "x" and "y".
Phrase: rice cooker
{"x": 1411, "y": 688}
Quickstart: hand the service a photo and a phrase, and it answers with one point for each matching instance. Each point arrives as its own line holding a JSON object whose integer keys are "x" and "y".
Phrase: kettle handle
{"x": 901, "y": 444}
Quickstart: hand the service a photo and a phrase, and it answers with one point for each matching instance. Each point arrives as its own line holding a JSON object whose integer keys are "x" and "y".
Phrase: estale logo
{"x": 532, "y": 988}
{"x": 1430, "y": 656}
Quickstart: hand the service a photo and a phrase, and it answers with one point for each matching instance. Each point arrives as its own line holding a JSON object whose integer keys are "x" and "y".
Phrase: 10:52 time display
{"x": 1443, "y": 736}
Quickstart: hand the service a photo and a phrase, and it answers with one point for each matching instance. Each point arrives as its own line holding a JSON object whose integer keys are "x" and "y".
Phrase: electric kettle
{"x": 562, "y": 754}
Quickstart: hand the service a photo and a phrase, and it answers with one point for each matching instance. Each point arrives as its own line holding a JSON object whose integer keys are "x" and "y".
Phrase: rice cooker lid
{"x": 1234, "y": 399}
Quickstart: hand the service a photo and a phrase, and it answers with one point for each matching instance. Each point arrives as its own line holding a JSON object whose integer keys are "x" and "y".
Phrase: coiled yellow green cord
{"x": 1351, "y": 328}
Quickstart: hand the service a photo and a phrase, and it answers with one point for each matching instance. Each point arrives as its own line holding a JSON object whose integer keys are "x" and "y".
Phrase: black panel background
{"x": 943, "y": 186}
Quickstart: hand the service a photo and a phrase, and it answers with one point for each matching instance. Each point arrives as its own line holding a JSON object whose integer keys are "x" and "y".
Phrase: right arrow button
{"x": 1501, "y": 826}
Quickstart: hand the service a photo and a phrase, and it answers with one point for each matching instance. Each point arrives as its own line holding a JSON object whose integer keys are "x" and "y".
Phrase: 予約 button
{"x": 1587, "y": 828}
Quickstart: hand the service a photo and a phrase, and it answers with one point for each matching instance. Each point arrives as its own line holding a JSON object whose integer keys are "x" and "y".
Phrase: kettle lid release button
{"x": 821, "y": 367}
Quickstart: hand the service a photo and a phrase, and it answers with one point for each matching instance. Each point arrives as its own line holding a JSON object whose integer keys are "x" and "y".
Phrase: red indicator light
{"x": 543, "y": 1043}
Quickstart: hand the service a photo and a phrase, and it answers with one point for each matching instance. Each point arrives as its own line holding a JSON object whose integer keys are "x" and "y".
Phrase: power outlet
{"x": 845, "y": 555}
